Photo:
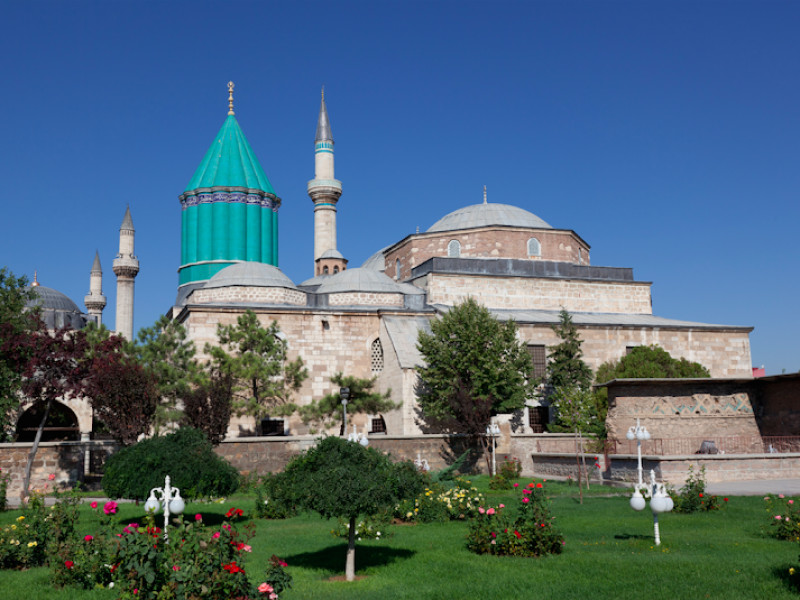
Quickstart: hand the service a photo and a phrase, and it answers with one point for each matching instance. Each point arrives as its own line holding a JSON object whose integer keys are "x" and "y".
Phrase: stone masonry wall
{"x": 556, "y": 245}
{"x": 365, "y": 299}
{"x": 268, "y": 295}
{"x": 542, "y": 293}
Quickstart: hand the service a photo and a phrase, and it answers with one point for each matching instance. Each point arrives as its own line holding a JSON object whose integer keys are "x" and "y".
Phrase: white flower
{"x": 111, "y": 585}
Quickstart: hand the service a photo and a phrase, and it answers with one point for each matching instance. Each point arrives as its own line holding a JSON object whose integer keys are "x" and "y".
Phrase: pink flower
{"x": 176, "y": 568}
{"x": 777, "y": 517}
{"x": 247, "y": 548}
{"x": 525, "y": 500}
{"x": 516, "y": 485}
{"x": 52, "y": 476}
{"x": 93, "y": 504}
{"x": 790, "y": 502}
{"x": 490, "y": 511}
{"x": 134, "y": 525}
{"x": 198, "y": 517}
{"x": 110, "y": 508}
{"x": 265, "y": 587}
{"x": 502, "y": 506}
{"x": 216, "y": 535}
{"x": 494, "y": 535}
{"x": 780, "y": 496}
{"x": 766, "y": 497}
{"x": 494, "y": 542}
{"x": 273, "y": 596}
{"x": 87, "y": 538}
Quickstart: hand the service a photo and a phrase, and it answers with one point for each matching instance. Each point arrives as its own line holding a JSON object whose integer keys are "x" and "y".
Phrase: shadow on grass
{"x": 333, "y": 558}
{"x": 628, "y": 536}
{"x": 790, "y": 581}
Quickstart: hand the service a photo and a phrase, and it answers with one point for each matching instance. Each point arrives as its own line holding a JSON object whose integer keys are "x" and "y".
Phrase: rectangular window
{"x": 538, "y": 418}
{"x": 272, "y": 427}
{"x": 629, "y": 349}
{"x": 378, "y": 425}
{"x": 539, "y": 358}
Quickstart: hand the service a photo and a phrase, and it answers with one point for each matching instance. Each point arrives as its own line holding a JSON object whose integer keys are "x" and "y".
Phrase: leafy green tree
{"x": 362, "y": 400}
{"x": 207, "y": 406}
{"x": 256, "y": 358}
{"x": 15, "y": 323}
{"x": 475, "y": 368}
{"x": 565, "y": 365}
{"x": 344, "y": 479}
{"x": 165, "y": 351}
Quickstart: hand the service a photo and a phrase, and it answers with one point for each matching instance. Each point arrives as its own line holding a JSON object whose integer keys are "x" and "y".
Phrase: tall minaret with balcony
{"x": 126, "y": 267}
{"x": 95, "y": 301}
{"x": 325, "y": 190}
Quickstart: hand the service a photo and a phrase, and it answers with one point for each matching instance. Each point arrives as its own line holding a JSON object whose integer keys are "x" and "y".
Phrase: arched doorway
{"x": 61, "y": 426}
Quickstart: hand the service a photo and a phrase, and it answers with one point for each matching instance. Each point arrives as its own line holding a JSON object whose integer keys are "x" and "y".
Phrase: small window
{"x": 629, "y": 349}
{"x": 539, "y": 358}
{"x": 538, "y": 418}
{"x": 335, "y": 270}
{"x": 272, "y": 427}
{"x": 454, "y": 249}
{"x": 534, "y": 247}
{"x": 376, "y": 356}
{"x": 580, "y": 257}
{"x": 378, "y": 426}
{"x": 324, "y": 270}
{"x": 397, "y": 269}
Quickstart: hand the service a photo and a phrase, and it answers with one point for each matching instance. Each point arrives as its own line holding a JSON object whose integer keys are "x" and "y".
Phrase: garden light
{"x": 492, "y": 431}
{"x": 170, "y": 498}
{"x": 660, "y": 500}
{"x": 345, "y": 394}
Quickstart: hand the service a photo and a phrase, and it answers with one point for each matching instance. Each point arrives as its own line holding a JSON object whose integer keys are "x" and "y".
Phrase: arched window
{"x": 325, "y": 270}
{"x": 454, "y": 249}
{"x": 376, "y": 356}
{"x": 335, "y": 270}
{"x": 61, "y": 425}
{"x": 534, "y": 247}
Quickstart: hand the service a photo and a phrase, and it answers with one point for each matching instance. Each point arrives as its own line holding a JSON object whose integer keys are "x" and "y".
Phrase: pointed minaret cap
{"x": 484, "y": 195}
{"x": 323, "y": 125}
{"x": 96, "y": 264}
{"x": 127, "y": 222}
{"x": 35, "y": 280}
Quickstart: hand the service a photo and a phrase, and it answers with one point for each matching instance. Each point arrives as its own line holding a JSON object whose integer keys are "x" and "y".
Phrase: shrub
{"x": 507, "y": 472}
{"x": 268, "y": 506}
{"x": 529, "y": 532}
{"x": 439, "y": 503}
{"x": 692, "y": 496}
{"x": 186, "y": 456}
{"x": 198, "y": 562}
{"x": 369, "y": 528}
{"x": 784, "y": 517}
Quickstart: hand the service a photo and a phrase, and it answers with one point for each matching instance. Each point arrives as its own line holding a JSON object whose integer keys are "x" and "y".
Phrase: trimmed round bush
{"x": 186, "y": 456}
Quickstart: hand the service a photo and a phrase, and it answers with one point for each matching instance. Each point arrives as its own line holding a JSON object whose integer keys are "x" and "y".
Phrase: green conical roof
{"x": 230, "y": 162}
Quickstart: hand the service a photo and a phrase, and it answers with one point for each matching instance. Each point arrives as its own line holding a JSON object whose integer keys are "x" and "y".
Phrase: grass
{"x": 609, "y": 553}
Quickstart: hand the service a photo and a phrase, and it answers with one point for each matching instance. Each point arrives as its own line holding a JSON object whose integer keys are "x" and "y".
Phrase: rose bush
{"x": 439, "y": 503}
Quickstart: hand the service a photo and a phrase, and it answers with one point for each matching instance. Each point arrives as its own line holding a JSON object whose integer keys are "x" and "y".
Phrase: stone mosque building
{"x": 364, "y": 320}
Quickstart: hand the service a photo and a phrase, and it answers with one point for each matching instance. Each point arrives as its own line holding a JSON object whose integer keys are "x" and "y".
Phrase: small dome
{"x": 332, "y": 254}
{"x": 486, "y": 215}
{"x": 376, "y": 262}
{"x": 50, "y": 299}
{"x": 251, "y": 274}
{"x": 360, "y": 280}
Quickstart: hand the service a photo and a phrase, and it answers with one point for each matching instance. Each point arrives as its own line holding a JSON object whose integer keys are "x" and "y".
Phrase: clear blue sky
{"x": 666, "y": 134}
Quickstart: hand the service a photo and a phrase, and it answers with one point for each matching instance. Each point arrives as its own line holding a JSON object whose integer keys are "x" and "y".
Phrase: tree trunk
{"x": 485, "y": 441}
{"x": 350, "y": 565}
{"x": 583, "y": 457}
{"x": 27, "y": 481}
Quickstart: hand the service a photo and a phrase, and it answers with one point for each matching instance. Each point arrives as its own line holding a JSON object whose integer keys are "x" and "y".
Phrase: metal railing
{"x": 708, "y": 445}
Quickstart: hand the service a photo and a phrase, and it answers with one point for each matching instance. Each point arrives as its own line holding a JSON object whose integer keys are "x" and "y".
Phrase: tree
{"x": 344, "y": 479}
{"x": 475, "y": 368}
{"x": 207, "y": 406}
{"x": 15, "y": 323}
{"x": 264, "y": 380}
{"x": 122, "y": 392}
{"x": 565, "y": 365}
{"x": 362, "y": 400}
{"x": 56, "y": 368}
{"x": 164, "y": 350}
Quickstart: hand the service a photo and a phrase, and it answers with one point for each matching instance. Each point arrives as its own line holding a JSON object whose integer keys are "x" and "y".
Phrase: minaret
{"x": 95, "y": 301}
{"x": 324, "y": 190}
{"x": 126, "y": 267}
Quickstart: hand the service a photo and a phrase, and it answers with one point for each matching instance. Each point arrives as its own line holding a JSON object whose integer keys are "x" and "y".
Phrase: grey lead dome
{"x": 486, "y": 215}
{"x": 251, "y": 274}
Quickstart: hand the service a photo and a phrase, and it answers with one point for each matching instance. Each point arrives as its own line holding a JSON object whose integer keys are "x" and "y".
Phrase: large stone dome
{"x": 363, "y": 280}
{"x": 251, "y": 274}
{"x": 57, "y": 309}
{"x": 486, "y": 215}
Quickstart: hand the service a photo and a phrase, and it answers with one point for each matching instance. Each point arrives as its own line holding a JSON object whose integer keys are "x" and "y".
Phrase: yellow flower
{"x": 13, "y": 527}
{"x": 791, "y": 571}
{"x": 32, "y": 544}
{"x": 21, "y": 518}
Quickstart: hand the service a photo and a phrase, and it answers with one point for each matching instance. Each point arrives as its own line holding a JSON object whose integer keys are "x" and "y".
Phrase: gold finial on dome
{"x": 230, "y": 98}
{"x": 35, "y": 280}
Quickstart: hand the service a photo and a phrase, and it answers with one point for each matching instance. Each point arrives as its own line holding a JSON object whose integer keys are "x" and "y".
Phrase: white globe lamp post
{"x": 660, "y": 501}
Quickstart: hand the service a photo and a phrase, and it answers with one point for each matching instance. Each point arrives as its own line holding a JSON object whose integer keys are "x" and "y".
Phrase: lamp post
{"x": 657, "y": 492}
{"x": 345, "y": 394}
{"x": 492, "y": 431}
{"x": 169, "y": 498}
{"x": 359, "y": 438}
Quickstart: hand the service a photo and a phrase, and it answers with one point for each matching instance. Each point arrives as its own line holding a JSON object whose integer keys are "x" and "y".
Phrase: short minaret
{"x": 126, "y": 267}
{"x": 95, "y": 301}
{"x": 324, "y": 189}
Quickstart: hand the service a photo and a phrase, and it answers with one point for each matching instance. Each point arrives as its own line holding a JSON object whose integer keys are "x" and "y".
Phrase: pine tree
{"x": 565, "y": 365}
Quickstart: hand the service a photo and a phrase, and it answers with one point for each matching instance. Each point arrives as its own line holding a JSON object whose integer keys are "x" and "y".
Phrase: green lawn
{"x": 609, "y": 553}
